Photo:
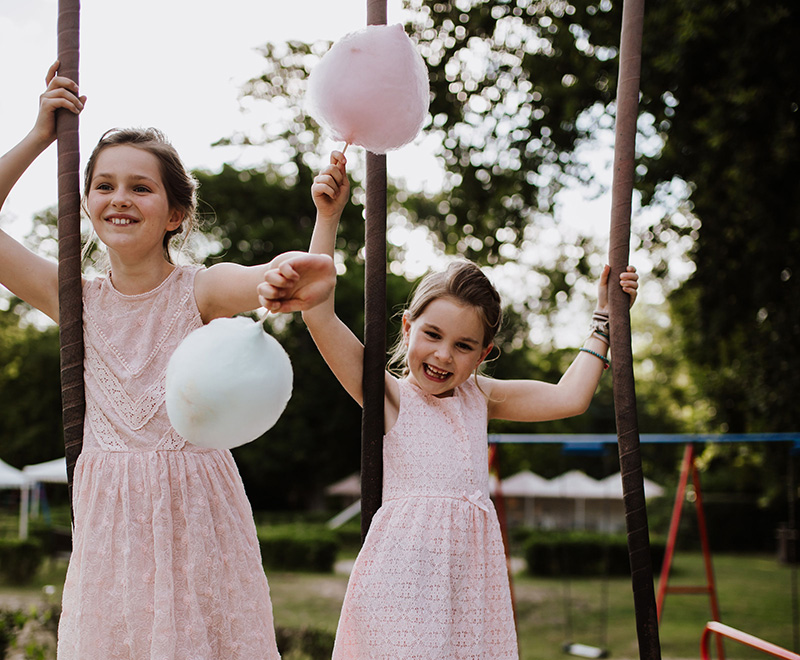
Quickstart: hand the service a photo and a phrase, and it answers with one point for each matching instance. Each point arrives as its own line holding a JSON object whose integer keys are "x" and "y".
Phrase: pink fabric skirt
{"x": 165, "y": 562}
{"x": 430, "y": 583}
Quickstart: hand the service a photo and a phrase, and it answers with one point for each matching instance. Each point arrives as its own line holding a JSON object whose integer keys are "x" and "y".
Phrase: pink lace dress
{"x": 165, "y": 562}
{"x": 431, "y": 582}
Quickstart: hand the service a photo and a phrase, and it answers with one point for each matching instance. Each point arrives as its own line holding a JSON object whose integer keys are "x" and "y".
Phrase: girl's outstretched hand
{"x": 61, "y": 93}
{"x": 297, "y": 281}
{"x": 331, "y": 187}
{"x": 628, "y": 280}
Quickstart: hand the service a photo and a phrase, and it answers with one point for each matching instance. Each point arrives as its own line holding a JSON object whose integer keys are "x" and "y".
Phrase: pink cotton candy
{"x": 371, "y": 89}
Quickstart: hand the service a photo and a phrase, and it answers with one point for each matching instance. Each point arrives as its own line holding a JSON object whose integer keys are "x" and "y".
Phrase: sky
{"x": 177, "y": 65}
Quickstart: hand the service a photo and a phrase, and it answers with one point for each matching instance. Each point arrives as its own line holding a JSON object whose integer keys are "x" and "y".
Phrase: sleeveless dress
{"x": 431, "y": 582}
{"x": 165, "y": 562}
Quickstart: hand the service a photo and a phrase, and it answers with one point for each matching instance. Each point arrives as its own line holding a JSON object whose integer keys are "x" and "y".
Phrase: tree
{"x": 30, "y": 426}
{"x": 725, "y": 99}
{"x": 720, "y": 111}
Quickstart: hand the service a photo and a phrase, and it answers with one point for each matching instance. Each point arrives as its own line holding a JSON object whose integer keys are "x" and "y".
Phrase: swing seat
{"x": 585, "y": 651}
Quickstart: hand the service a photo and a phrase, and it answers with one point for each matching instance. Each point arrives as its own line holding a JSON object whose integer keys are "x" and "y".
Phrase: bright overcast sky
{"x": 174, "y": 64}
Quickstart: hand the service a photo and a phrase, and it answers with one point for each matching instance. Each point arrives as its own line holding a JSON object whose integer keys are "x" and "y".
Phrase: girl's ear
{"x": 175, "y": 220}
{"x": 406, "y": 326}
{"x": 485, "y": 353}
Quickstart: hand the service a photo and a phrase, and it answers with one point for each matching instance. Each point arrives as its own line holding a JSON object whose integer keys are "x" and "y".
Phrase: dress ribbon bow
{"x": 477, "y": 499}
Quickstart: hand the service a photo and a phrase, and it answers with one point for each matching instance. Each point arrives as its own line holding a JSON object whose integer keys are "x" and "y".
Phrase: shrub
{"x": 298, "y": 548}
{"x": 306, "y": 643}
{"x": 19, "y": 559}
{"x": 557, "y": 554}
{"x": 34, "y": 631}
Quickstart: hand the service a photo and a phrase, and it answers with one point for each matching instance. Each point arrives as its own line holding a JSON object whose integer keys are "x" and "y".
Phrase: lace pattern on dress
{"x": 106, "y": 434}
{"x": 136, "y": 413}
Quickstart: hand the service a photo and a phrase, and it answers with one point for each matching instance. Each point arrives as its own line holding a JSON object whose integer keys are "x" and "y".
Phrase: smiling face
{"x": 128, "y": 204}
{"x": 445, "y": 345}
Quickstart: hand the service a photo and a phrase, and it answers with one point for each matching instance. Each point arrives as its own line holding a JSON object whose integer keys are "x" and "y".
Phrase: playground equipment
{"x": 721, "y": 630}
{"x": 578, "y": 441}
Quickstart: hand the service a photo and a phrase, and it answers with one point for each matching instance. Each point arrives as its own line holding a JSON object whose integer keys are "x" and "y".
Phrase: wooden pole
{"x": 374, "y": 322}
{"x": 624, "y": 389}
{"x": 70, "y": 303}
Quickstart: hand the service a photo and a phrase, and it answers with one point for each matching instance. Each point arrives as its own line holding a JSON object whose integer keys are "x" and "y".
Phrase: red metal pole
{"x": 674, "y": 523}
{"x": 721, "y": 630}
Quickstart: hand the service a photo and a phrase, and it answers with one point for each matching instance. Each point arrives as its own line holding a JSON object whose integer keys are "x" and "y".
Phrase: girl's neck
{"x": 140, "y": 277}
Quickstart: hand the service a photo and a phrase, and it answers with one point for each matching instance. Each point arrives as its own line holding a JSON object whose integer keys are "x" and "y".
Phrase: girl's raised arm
{"x": 340, "y": 348}
{"x": 25, "y": 274}
{"x": 536, "y": 401}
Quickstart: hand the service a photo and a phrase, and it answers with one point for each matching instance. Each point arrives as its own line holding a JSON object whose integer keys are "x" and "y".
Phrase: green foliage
{"x": 19, "y": 559}
{"x": 40, "y": 646}
{"x": 560, "y": 554}
{"x": 29, "y": 377}
{"x": 727, "y": 108}
{"x": 304, "y": 643}
{"x": 518, "y": 86}
{"x": 298, "y": 548}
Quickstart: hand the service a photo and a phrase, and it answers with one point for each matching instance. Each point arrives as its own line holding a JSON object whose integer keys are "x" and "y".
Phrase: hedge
{"x": 311, "y": 643}
{"x": 19, "y": 559}
{"x": 298, "y": 548}
{"x": 556, "y": 554}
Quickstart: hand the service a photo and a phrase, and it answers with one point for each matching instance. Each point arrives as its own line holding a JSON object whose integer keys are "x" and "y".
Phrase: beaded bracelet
{"x": 606, "y": 361}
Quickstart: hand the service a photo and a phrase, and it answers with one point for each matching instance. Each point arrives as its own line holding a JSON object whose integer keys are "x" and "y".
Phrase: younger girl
{"x": 430, "y": 581}
{"x": 165, "y": 560}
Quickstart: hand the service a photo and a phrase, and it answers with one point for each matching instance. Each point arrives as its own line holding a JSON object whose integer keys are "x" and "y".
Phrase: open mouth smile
{"x": 120, "y": 221}
{"x": 433, "y": 373}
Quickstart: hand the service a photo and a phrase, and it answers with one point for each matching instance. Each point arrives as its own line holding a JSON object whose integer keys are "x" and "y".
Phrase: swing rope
{"x": 70, "y": 303}
{"x": 374, "y": 321}
{"x": 624, "y": 388}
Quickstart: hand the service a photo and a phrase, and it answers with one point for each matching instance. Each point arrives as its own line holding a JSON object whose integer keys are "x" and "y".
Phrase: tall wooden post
{"x": 624, "y": 390}
{"x": 70, "y": 303}
{"x": 374, "y": 322}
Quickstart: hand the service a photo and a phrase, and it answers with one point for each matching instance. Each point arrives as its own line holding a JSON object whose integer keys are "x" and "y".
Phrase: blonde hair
{"x": 465, "y": 283}
{"x": 180, "y": 185}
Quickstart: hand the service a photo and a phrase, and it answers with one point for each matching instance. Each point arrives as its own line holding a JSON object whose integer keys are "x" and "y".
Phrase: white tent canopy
{"x": 524, "y": 484}
{"x": 10, "y": 477}
{"x": 54, "y": 471}
{"x": 612, "y": 487}
{"x": 572, "y": 500}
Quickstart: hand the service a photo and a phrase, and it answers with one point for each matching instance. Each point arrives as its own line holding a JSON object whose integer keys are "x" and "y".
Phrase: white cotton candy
{"x": 227, "y": 383}
{"x": 371, "y": 89}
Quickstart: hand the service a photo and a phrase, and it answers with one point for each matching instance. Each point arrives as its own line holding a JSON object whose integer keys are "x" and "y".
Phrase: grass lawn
{"x": 754, "y": 594}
